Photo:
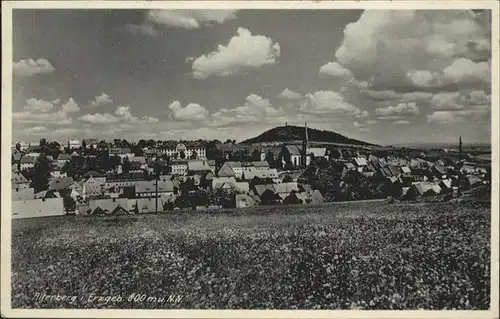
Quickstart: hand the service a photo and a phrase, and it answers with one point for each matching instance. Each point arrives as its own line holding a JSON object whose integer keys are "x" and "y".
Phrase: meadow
{"x": 370, "y": 255}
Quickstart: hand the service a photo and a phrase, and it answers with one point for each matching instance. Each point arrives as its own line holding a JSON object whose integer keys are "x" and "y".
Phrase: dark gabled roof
{"x": 28, "y": 160}
{"x": 260, "y": 189}
{"x": 119, "y": 150}
{"x": 198, "y": 166}
{"x": 394, "y": 170}
{"x": 17, "y": 157}
{"x": 260, "y": 164}
{"x": 440, "y": 169}
{"x": 64, "y": 157}
{"x": 293, "y": 149}
{"x": 150, "y": 186}
{"x": 60, "y": 183}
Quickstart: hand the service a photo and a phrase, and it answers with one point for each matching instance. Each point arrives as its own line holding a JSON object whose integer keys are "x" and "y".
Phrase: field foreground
{"x": 339, "y": 256}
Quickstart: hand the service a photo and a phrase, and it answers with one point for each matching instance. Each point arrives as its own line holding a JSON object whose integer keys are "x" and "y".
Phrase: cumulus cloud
{"x": 101, "y": 100}
{"x": 31, "y": 67}
{"x": 243, "y": 52}
{"x": 60, "y": 118}
{"x": 287, "y": 94}
{"x": 335, "y": 70}
{"x": 398, "y": 45}
{"x": 189, "y": 19}
{"x": 192, "y": 112}
{"x": 56, "y": 101}
{"x": 256, "y": 109}
{"x": 122, "y": 115}
{"x": 465, "y": 70}
{"x": 473, "y": 106}
{"x": 98, "y": 118}
{"x": 446, "y": 101}
{"x": 70, "y": 107}
{"x": 400, "y": 109}
{"x": 330, "y": 103}
{"x": 478, "y": 113}
{"x": 39, "y": 112}
{"x": 38, "y": 106}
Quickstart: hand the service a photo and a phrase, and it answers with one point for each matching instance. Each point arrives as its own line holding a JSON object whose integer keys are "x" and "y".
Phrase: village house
{"x": 90, "y": 143}
{"x": 231, "y": 169}
{"x": 121, "y": 181}
{"x": 199, "y": 151}
{"x": 291, "y": 154}
{"x": 283, "y": 190}
{"x": 76, "y": 190}
{"x": 92, "y": 188}
{"x": 27, "y": 162}
{"x": 421, "y": 188}
{"x": 63, "y": 159}
{"x": 95, "y": 175}
{"x": 178, "y": 167}
{"x": 267, "y": 194}
{"x": 211, "y": 165}
{"x": 439, "y": 171}
{"x": 219, "y": 182}
{"x": 19, "y": 194}
{"x": 19, "y": 181}
{"x": 317, "y": 152}
{"x": 135, "y": 167}
{"x": 23, "y": 145}
{"x": 121, "y": 152}
{"x": 74, "y": 144}
{"x": 33, "y": 154}
{"x": 150, "y": 153}
{"x": 37, "y": 208}
{"x": 148, "y": 188}
{"x": 16, "y": 158}
{"x": 198, "y": 167}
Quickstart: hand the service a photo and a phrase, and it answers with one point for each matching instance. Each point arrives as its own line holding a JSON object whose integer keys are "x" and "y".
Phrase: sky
{"x": 386, "y": 77}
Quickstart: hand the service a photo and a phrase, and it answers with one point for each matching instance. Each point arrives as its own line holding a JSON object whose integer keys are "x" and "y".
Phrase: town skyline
{"x": 233, "y": 74}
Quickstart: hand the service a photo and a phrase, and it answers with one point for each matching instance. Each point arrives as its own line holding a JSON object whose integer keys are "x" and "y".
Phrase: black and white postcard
{"x": 250, "y": 159}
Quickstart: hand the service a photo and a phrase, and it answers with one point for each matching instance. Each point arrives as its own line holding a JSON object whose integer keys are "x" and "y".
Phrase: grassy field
{"x": 341, "y": 256}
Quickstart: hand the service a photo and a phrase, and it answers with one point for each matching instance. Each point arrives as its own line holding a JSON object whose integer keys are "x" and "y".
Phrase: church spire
{"x": 307, "y": 136}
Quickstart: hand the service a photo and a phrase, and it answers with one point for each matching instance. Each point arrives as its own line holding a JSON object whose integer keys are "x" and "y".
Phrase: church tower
{"x": 305, "y": 147}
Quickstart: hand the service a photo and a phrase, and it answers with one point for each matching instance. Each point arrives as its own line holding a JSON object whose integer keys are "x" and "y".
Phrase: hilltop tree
{"x": 141, "y": 144}
{"x": 43, "y": 143}
{"x": 125, "y": 143}
{"x": 41, "y": 173}
{"x": 18, "y": 147}
{"x": 84, "y": 144}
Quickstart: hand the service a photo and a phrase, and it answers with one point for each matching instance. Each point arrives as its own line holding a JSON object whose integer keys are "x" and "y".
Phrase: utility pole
{"x": 459, "y": 164}
{"x": 156, "y": 184}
